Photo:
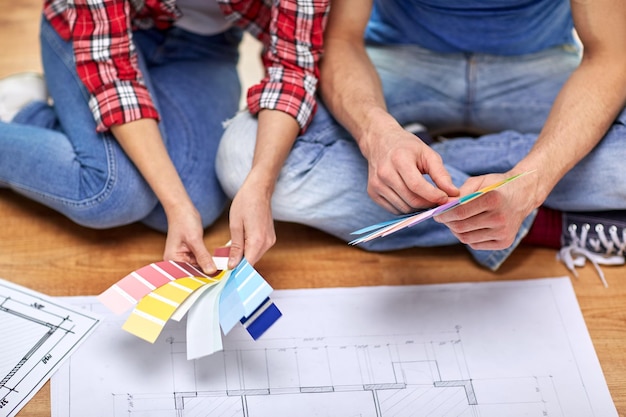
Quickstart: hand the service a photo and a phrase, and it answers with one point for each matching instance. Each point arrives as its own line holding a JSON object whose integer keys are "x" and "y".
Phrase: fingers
{"x": 401, "y": 187}
{"x": 204, "y": 260}
{"x": 402, "y": 199}
{"x": 430, "y": 163}
{"x": 441, "y": 177}
{"x": 192, "y": 251}
{"x": 250, "y": 244}
{"x": 481, "y": 224}
{"x": 256, "y": 248}
{"x": 197, "y": 254}
{"x": 497, "y": 235}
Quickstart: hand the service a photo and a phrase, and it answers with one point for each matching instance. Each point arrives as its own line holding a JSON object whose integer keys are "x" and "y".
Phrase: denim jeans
{"x": 324, "y": 180}
{"x": 53, "y": 154}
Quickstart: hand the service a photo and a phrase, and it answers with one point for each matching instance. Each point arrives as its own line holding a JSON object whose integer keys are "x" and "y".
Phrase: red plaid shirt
{"x": 101, "y": 31}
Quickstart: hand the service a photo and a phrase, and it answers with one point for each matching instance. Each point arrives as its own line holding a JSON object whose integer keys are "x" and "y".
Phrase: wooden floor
{"x": 46, "y": 252}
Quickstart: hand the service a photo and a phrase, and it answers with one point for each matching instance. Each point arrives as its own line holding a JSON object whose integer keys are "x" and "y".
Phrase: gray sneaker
{"x": 599, "y": 237}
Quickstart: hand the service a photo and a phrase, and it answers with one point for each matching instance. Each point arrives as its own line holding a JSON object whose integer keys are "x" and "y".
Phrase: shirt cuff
{"x": 295, "y": 99}
{"x": 121, "y": 102}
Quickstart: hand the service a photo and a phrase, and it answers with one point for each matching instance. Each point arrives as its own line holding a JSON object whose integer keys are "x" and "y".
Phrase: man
{"x": 512, "y": 72}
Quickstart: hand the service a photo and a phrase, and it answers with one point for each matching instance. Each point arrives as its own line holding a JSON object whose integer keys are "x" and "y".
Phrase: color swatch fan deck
{"x": 169, "y": 290}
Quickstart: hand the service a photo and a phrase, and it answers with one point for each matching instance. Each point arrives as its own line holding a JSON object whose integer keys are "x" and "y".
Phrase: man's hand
{"x": 397, "y": 163}
{"x": 491, "y": 221}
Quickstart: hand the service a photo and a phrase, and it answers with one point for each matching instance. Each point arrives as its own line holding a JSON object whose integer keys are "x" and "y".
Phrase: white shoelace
{"x": 607, "y": 249}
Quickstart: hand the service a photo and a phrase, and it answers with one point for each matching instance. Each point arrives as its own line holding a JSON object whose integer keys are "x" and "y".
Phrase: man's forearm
{"x": 349, "y": 84}
{"x": 584, "y": 110}
{"x": 589, "y": 101}
{"x": 351, "y": 88}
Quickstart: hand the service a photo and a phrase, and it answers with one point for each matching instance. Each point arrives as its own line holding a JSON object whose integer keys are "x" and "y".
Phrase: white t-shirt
{"x": 203, "y": 17}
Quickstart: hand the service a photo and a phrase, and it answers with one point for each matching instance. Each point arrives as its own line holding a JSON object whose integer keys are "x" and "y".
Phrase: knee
{"x": 235, "y": 152}
{"x": 123, "y": 204}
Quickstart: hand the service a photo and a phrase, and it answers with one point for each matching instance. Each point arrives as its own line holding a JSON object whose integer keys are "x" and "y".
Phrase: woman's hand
{"x": 185, "y": 242}
{"x": 142, "y": 142}
{"x": 251, "y": 224}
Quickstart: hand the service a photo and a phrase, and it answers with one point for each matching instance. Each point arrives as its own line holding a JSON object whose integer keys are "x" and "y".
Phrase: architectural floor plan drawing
{"x": 38, "y": 334}
{"x": 510, "y": 349}
{"x": 355, "y": 376}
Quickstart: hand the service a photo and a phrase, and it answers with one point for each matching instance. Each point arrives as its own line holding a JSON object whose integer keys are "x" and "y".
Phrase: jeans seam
{"x": 95, "y": 199}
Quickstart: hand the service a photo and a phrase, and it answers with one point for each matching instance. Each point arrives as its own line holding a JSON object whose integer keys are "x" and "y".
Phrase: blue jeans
{"x": 324, "y": 180}
{"x": 53, "y": 154}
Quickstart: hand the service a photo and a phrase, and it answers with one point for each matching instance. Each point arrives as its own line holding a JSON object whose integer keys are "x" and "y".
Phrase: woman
{"x": 138, "y": 94}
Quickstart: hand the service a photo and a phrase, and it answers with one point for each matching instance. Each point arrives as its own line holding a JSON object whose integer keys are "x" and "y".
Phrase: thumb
{"x": 204, "y": 259}
{"x": 236, "y": 247}
{"x": 235, "y": 256}
{"x": 443, "y": 180}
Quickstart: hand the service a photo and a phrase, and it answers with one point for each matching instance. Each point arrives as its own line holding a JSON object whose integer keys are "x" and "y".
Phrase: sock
{"x": 546, "y": 230}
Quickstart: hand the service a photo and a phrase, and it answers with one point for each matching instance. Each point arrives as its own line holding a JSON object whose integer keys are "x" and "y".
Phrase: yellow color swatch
{"x": 155, "y": 309}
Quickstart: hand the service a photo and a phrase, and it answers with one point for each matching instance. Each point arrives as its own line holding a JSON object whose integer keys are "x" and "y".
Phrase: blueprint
{"x": 515, "y": 348}
{"x": 38, "y": 334}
